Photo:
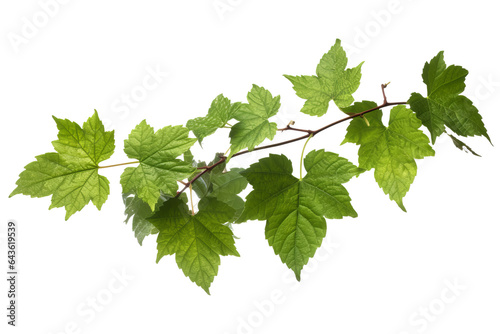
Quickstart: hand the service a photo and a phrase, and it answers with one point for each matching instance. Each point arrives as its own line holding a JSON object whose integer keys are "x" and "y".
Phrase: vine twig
{"x": 288, "y": 127}
{"x": 384, "y": 86}
{"x": 309, "y": 134}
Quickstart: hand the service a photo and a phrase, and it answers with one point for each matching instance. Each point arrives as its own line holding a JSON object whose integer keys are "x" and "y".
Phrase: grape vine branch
{"x": 295, "y": 209}
{"x": 310, "y": 133}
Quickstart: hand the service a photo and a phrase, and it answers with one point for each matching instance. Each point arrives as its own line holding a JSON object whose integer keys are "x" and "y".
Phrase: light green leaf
{"x": 294, "y": 209}
{"x": 390, "y": 150}
{"x": 444, "y": 106}
{"x": 70, "y": 175}
{"x": 332, "y": 82}
{"x": 87, "y": 146}
{"x": 197, "y": 241}
{"x": 357, "y": 127}
{"x": 253, "y": 126}
{"x": 220, "y": 113}
{"x": 158, "y": 169}
{"x": 188, "y": 156}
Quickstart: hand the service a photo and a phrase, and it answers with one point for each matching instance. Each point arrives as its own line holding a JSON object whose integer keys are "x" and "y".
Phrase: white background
{"x": 378, "y": 273}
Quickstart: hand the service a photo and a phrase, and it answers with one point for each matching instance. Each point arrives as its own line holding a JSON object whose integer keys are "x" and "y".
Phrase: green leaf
{"x": 253, "y": 126}
{"x": 390, "y": 150}
{"x": 158, "y": 169}
{"x": 228, "y": 184}
{"x": 295, "y": 209}
{"x": 332, "y": 82}
{"x": 226, "y": 187}
{"x": 139, "y": 210}
{"x": 203, "y": 186}
{"x": 220, "y": 113}
{"x": 197, "y": 241}
{"x": 70, "y": 175}
{"x": 222, "y": 185}
{"x": 357, "y": 127}
{"x": 462, "y": 146}
{"x": 444, "y": 106}
{"x": 87, "y": 146}
{"x": 188, "y": 156}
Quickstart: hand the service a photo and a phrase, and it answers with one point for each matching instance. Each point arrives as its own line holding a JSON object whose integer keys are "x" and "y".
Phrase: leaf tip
{"x": 206, "y": 289}
{"x": 56, "y": 119}
{"x": 401, "y": 206}
{"x": 14, "y": 192}
{"x": 360, "y": 171}
{"x": 289, "y": 77}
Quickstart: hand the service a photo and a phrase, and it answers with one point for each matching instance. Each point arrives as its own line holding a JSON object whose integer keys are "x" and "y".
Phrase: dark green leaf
{"x": 295, "y": 209}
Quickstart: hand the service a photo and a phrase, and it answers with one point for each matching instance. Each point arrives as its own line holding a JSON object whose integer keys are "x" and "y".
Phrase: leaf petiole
{"x": 302, "y": 155}
{"x": 191, "y": 198}
{"x": 122, "y": 164}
